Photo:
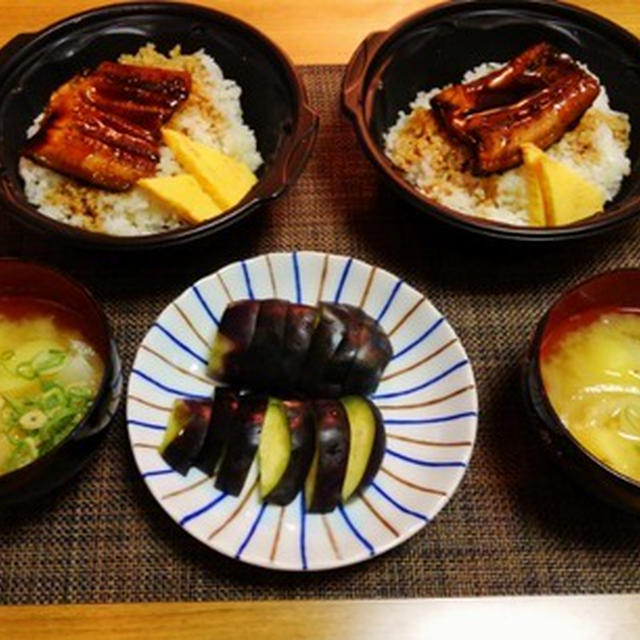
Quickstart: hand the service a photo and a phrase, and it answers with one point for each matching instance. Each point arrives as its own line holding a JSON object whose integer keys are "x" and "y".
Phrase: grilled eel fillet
{"x": 103, "y": 127}
{"x": 536, "y": 98}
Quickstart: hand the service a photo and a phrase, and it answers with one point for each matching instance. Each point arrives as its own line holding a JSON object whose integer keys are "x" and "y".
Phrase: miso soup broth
{"x": 49, "y": 377}
{"x": 590, "y": 367}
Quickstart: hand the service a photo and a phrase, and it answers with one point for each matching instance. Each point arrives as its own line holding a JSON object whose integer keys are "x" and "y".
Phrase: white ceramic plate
{"x": 427, "y": 397}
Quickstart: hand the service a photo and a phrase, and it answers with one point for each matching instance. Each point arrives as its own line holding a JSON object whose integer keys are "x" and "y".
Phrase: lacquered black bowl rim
{"x": 296, "y": 147}
{"x": 357, "y": 95}
{"x": 533, "y": 364}
{"x": 105, "y": 386}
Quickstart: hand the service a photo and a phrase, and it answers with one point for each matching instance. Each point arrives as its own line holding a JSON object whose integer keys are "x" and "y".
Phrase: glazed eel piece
{"x": 103, "y": 127}
{"x": 536, "y": 97}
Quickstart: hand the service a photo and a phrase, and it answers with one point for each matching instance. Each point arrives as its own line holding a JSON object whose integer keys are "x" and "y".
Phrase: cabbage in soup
{"x": 590, "y": 367}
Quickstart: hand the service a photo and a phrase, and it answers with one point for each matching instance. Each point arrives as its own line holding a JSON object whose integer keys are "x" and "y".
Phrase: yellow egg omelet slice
{"x": 561, "y": 194}
{"x": 531, "y": 156}
{"x": 184, "y": 195}
{"x": 224, "y": 178}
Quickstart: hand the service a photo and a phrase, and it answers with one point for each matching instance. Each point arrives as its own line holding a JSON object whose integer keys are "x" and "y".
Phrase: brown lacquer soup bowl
{"x": 23, "y": 287}
{"x": 616, "y": 289}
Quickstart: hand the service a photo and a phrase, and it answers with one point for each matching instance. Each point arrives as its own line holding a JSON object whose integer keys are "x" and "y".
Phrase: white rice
{"x": 211, "y": 115}
{"x": 603, "y": 131}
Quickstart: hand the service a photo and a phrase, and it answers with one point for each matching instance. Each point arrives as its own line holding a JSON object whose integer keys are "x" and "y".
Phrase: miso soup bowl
{"x": 28, "y": 279}
{"x": 619, "y": 288}
{"x": 436, "y": 46}
{"x": 274, "y": 101}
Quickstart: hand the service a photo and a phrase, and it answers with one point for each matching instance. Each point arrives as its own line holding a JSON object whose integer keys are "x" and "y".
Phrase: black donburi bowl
{"x": 28, "y": 279}
{"x": 273, "y": 99}
{"x": 435, "y": 47}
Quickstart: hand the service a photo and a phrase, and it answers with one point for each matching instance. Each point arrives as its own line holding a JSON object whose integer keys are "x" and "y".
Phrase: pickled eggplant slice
{"x": 339, "y": 365}
{"x": 186, "y": 433}
{"x": 371, "y": 360}
{"x": 300, "y": 326}
{"x": 225, "y": 405}
{"x": 228, "y": 356}
{"x": 275, "y": 346}
{"x": 367, "y": 443}
{"x": 243, "y": 443}
{"x": 274, "y": 451}
{"x": 263, "y": 364}
{"x": 329, "y": 333}
{"x": 323, "y": 487}
{"x": 300, "y": 423}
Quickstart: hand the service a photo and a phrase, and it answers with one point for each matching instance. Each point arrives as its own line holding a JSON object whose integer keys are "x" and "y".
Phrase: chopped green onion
{"x": 25, "y": 370}
{"x": 47, "y": 361}
{"x": 33, "y": 420}
{"x": 14, "y": 405}
{"x": 53, "y": 398}
{"x": 79, "y": 390}
{"x": 60, "y": 421}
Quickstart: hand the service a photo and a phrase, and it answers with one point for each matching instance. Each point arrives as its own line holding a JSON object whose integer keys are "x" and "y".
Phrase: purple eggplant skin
{"x": 371, "y": 359}
{"x": 333, "y": 438}
{"x": 299, "y": 329}
{"x": 263, "y": 364}
{"x": 339, "y": 365}
{"x": 225, "y": 405}
{"x": 301, "y": 420}
{"x": 329, "y": 333}
{"x": 243, "y": 443}
{"x": 377, "y": 450}
{"x": 228, "y": 358}
{"x": 182, "y": 451}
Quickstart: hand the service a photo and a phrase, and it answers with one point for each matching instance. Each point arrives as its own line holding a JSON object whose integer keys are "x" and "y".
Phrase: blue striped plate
{"x": 427, "y": 397}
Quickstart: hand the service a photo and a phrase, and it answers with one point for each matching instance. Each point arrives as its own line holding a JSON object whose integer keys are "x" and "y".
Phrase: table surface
{"x": 524, "y": 618}
{"x": 312, "y": 32}
{"x": 322, "y": 32}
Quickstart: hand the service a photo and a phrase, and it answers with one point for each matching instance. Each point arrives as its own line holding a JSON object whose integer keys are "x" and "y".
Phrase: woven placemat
{"x": 515, "y": 525}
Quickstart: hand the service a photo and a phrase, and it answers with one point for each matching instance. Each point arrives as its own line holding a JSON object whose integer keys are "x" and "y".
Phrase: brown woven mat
{"x": 515, "y": 525}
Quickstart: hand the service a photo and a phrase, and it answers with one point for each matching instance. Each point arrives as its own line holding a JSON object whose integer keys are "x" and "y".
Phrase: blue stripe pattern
{"x": 418, "y": 340}
{"x": 148, "y": 425}
{"x": 397, "y": 505}
{"x": 303, "y": 531}
{"x": 164, "y": 387}
{"x": 247, "y": 279}
{"x": 201, "y": 510}
{"x": 343, "y": 279}
{"x": 180, "y": 344}
{"x": 387, "y": 304}
{"x": 159, "y": 472}
{"x": 296, "y": 275}
{"x": 424, "y": 385}
{"x": 437, "y": 420}
{"x": 254, "y": 526}
{"x": 388, "y": 296}
{"x": 355, "y": 531}
{"x": 205, "y": 306}
{"x": 426, "y": 463}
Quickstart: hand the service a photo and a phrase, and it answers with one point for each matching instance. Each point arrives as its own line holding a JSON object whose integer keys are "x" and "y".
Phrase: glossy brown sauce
{"x": 535, "y": 98}
{"x": 103, "y": 126}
